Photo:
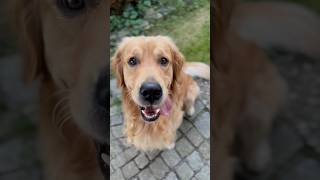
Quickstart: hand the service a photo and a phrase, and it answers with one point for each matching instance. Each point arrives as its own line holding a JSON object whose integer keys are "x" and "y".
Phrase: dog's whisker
{"x": 66, "y": 118}
{"x": 58, "y": 105}
{"x": 64, "y": 108}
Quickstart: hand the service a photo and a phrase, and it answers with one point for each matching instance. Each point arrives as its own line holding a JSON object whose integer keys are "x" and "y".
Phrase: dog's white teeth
{"x": 144, "y": 113}
{"x": 154, "y": 115}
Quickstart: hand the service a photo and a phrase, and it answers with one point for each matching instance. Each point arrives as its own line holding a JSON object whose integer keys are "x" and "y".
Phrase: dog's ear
{"x": 177, "y": 61}
{"x": 117, "y": 67}
{"x": 28, "y": 27}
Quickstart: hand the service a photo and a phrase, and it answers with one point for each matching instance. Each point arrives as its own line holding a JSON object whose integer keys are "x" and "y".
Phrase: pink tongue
{"x": 166, "y": 107}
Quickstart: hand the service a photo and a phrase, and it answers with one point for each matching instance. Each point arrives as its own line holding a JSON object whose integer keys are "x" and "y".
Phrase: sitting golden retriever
{"x": 248, "y": 89}
{"x": 151, "y": 71}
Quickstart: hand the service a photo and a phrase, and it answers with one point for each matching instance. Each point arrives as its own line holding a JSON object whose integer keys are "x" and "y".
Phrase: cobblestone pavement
{"x": 190, "y": 159}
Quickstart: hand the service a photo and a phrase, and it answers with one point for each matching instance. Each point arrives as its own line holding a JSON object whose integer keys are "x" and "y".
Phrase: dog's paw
{"x": 171, "y": 146}
{"x": 190, "y": 111}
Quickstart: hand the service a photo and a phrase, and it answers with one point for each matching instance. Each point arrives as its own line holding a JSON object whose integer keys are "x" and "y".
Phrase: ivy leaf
{"x": 126, "y": 14}
{"x": 133, "y": 15}
{"x": 147, "y": 3}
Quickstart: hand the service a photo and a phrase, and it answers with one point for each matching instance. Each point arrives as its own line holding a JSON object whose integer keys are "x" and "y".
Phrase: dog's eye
{"x": 71, "y": 6}
{"x": 164, "y": 61}
{"x": 133, "y": 61}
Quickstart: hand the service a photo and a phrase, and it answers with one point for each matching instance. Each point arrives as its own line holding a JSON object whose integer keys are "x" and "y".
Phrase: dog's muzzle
{"x": 152, "y": 104}
{"x": 150, "y": 93}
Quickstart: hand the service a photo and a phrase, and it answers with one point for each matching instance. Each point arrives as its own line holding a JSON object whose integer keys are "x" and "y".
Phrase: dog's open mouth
{"x": 152, "y": 113}
{"x": 149, "y": 113}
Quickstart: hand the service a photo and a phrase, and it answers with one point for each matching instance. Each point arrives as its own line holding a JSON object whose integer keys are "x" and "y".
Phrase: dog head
{"x": 147, "y": 69}
{"x": 64, "y": 42}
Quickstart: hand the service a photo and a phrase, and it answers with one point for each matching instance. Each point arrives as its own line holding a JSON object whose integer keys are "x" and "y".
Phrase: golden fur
{"x": 176, "y": 85}
{"x": 66, "y": 52}
{"x": 248, "y": 91}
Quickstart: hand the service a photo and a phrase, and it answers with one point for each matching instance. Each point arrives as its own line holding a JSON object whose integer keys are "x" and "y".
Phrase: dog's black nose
{"x": 150, "y": 92}
{"x": 102, "y": 90}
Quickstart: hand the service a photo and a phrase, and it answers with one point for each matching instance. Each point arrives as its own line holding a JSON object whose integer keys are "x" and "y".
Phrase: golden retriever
{"x": 64, "y": 44}
{"x": 156, "y": 91}
{"x": 248, "y": 89}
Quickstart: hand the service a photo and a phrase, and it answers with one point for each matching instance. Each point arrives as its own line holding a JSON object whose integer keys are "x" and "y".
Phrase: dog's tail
{"x": 280, "y": 24}
{"x": 197, "y": 69}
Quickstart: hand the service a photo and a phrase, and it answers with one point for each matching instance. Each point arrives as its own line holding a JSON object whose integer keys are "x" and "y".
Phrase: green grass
{"x": 190, "y": 30}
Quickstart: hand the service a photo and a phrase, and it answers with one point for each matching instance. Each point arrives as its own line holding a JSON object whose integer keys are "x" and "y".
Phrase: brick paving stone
{"x": 116, "y": 120}
{"x": 171, "y": 157}
{"x": 194, "y": 160}
{"x": 141, "y": 160}
{"x": 179, "y": 134}
{"x": 119, "y": 161}
{"x": 171, "y": 176}
{"x": 130, "y": 153}
{"x": 204, "y": 173}
{"x": 129, "y": 170}
{"x": 115, "y": 91}
{"x": 117, "y": 175}
{"x": 117, "y": 131}
{"x": 152, "y": 154}
{"x": 198, "y": 107}
{"x": 194, "y": 136}
{"x": 204, "y": 149}
{"x": 184, "y": 171}
{"x": 115, "y": 110}
{"x": 111, "y": 169}
{"x": 115, "y": 148}
{"x": 206, "y": 102}
{"x": 124, "y": 143}
{"x": 146, "y": 175}
{"x": 112, "y": 137}
{"x": 185, "y": 126}
{"x": 159, "y": 168}
{"x": 203, "y": 124}
{"x": 183, "y": 147}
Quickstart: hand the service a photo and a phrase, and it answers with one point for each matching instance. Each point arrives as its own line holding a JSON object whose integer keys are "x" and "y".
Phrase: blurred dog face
{"x": 66, "y": 41}
{"x": 146, "y": 68}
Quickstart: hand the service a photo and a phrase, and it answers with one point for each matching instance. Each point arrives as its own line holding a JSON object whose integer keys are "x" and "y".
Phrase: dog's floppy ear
{"x": 28, "y": 27}
{"x": 117, "y": 67}
{"x": 177, "y": 61}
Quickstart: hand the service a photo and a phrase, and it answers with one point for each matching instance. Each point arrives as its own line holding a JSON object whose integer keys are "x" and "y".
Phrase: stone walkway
{"x": 190, "y": 159}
